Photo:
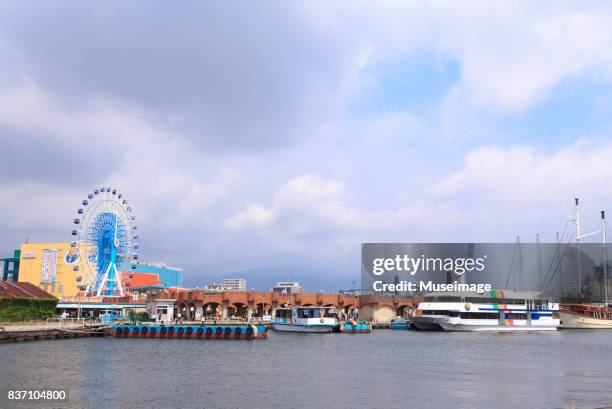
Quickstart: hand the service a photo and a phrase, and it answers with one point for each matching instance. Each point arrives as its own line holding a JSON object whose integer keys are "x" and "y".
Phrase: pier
{"x": 57, "y": 330}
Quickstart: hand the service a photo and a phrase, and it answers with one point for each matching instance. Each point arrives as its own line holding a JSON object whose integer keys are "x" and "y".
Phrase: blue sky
{"x": 415, "y": 83}
{"x": 273, "y": 140}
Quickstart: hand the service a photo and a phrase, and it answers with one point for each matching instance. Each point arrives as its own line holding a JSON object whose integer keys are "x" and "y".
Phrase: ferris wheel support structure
{"x": 106, "y": 236}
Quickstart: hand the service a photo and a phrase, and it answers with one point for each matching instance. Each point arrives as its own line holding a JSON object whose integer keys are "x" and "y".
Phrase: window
{"x": 515, "y": 316}
{"x": 479, "y": 315}
{"x": 437, "y": 312}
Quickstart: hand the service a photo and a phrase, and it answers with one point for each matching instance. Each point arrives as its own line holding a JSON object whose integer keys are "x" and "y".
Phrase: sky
{"x": 271, "y": 139}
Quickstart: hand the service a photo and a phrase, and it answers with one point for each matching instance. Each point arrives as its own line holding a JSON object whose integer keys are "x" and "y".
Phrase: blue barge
{"x": 355, "y": 327}
{"x": 220, "y": 331}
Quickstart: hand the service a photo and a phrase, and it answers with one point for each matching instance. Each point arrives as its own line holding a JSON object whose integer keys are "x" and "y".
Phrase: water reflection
{"x": 385, "y": 369}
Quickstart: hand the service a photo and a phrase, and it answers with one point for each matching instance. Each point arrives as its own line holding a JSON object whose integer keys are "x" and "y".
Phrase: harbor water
{"x": 384, "y": 369}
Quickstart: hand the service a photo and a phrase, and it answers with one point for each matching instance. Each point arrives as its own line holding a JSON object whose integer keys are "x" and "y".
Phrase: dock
{"x": 40, "y": 333}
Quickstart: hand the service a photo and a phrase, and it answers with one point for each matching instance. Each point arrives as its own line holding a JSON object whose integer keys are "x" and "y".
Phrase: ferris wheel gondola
{"x": 105, "y": 233}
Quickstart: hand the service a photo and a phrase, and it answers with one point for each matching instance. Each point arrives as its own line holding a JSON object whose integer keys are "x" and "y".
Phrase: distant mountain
{"x": 264, "y": 279}
{"x": 198, "y": 281}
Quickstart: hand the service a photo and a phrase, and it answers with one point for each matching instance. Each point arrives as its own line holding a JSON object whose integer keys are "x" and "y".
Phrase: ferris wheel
{"x": 104, "y": 241}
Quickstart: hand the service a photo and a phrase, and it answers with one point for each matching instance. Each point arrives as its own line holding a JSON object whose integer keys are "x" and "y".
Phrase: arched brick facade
{"x": 371, "y": 306}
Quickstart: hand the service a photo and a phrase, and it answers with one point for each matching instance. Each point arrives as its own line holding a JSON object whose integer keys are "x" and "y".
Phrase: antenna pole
{"x": 605, "y": 255}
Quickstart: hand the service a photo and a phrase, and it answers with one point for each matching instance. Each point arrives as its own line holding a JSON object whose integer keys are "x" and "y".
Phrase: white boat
{"x": 585, "y": 316}
{"x": 304, "y": 319}
{"x": 589, "y": 315}
{"x": 497, "y": 311}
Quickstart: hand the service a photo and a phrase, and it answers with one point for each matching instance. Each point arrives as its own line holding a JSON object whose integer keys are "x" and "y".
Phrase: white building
{"x": 213, "y": 288}
{"x": 234, "y": 284}
{"x": 287, "y": 287}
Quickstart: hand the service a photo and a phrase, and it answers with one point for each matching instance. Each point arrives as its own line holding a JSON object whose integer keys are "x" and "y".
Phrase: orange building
{"x": 131, "y": 279}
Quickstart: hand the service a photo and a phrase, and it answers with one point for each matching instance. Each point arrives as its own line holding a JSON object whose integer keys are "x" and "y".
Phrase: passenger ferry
{"x": 304, "y": 319}
{"x": 495, "y": 310}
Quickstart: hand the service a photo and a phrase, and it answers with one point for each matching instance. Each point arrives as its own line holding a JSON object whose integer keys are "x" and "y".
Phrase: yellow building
{"x": 50, "y": 266}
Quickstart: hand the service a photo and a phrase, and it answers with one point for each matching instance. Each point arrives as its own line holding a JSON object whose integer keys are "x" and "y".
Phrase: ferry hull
{"x": 446, "y": 324}
{"x": 570, "y": 320}
{"x": 317, "y": 329}
{"x": 495, "y": 328}
{"x": 426, "y": 324}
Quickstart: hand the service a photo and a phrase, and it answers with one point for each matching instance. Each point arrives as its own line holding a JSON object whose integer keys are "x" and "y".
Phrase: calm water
{"x": 385, "y": 369}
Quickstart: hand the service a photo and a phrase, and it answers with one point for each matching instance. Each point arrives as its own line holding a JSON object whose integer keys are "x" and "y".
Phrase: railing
{"x": 64, "y": 323}
{"x": 81, "y": 299}
{"x": 10, "y": 322}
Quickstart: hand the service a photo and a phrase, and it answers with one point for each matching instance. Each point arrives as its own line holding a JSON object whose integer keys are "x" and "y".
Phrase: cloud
{"x": 521, "y": 188}
{"x": 309, "y": 206}
{"x": 225, "y": 78}
{"x": 303, "y": 206}
{"x": 511, "y": 55}
{"x": 520, "y": 173}
{"x": 254, "y": 215}
{"x": 494, "y": 194}
{"x": 36, "y": 128}
{"x": 230, "y": 128}
{"x": 514, "y": 59}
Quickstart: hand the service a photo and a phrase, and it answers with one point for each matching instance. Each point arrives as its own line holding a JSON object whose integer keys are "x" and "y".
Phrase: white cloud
{"x": 524, "y": 189}
{"x": 29, "y": 108}
{"x": 309, "y": 206}
{"x": 254, "y": 215}
{"x": 301, "y": 205}
{"x": 511, "y": 55}
{"x": 204, "y": 126}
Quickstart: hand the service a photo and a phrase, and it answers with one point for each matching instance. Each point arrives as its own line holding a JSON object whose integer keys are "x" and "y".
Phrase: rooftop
{"x": 11, "y": 289}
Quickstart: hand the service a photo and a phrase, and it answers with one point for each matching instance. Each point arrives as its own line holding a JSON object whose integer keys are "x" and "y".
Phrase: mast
{"x": 579, "y": 238}
{"x": 560, "y": 265}
{"x": 605, "y": 256}
{"x": 520, "y": 261}
{"x": 539, "y": 260}
{"x": 577, "y": 221}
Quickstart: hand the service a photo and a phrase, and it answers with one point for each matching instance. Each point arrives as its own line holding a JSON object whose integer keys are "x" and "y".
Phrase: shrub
{"x": 138, "y": 316}
{"x": 23, "y": 309}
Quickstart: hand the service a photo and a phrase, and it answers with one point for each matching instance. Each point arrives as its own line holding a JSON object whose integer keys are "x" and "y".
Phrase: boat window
{"x": 309, "y": 313}
{"x": 436, "y": 312}
{"x": 479, "y": 300}
{"x": 443, "y": 298}
{"x": 515, "y": 316}
{"x": 329, "y": 312}
{"x": 479, "y": 315}
{"x": 487, "y": 300}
